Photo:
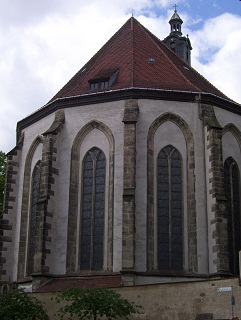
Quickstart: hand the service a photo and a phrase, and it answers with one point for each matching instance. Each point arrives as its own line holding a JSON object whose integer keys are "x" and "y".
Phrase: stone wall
{"x": 175, "y": 301}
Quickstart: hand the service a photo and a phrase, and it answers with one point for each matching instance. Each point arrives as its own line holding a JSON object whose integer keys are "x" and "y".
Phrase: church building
{"x": 129, "y": 175}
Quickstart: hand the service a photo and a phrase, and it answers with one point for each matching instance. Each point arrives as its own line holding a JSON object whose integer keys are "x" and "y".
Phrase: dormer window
{"x": 103, "y": 79}
{"x": 102, "y": 84}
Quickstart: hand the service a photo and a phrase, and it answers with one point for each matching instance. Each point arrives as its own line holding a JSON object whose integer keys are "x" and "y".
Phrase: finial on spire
{"x": 175, "y": 7}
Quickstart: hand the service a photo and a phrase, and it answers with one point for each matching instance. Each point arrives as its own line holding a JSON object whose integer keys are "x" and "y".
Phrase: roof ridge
{"x": 187, "y": 65}
{"x": 90, "y": 62}
{"x": 199, "y": 74}
{"x": 151, "y": 35}
{"x": 132, "y": 51}
{"x": 97, "y": 55}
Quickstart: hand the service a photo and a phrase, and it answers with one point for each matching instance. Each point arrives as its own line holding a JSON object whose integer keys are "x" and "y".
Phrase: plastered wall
{"x": 176, "y": 301}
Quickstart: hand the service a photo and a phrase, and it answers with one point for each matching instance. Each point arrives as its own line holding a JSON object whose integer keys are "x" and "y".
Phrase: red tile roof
{"x": 59, "y": 284}
{"x": 143, "y": 61}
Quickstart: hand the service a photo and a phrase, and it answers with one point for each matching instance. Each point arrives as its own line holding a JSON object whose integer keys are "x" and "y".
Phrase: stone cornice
{"x": 124, "y": 94}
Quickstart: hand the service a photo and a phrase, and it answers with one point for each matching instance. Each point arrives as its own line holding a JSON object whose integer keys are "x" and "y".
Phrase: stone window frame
{"x": 32, "y": 235}
{"x": 73, "y": 213}
{"x": 170, "y": 216}
{"x": 231, "y": 128}
{"x": 229, "y": 165}
{"x": 92, "y": 257}
{"x": 24, "y": 223}
{"x": 191, "y": 202}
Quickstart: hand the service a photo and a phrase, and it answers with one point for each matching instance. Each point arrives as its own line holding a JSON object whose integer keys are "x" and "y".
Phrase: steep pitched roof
{"x": 140, "y": 60}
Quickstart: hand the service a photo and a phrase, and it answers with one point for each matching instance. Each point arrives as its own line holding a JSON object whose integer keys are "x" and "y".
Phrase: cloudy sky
{"x": 44, "y": 43}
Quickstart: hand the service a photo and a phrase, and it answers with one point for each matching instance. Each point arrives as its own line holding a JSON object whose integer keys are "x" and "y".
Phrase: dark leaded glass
{"x": 169, "y": 209}
{"x": 93, "y": 204}
{"x": 33, "y": 216}
{"x": 231, "y": 183}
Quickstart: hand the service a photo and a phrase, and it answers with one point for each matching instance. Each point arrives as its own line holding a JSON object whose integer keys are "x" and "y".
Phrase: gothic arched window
{"x": 93, "y": 210}
{"x": 232, "y": 193}
{"x": 169, "y": 210}
{"x": 33, "y": 216}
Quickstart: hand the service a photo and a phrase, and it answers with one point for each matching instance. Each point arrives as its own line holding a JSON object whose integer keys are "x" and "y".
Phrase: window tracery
{"x": 33, "y": 216}
{"x": 93, "y": 210}
{"x": 232, "y": 193}
{"x": 169, "y": 210}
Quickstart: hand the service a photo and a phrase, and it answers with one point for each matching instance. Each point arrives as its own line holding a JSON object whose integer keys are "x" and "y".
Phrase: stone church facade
{"x": 131, "y": 171}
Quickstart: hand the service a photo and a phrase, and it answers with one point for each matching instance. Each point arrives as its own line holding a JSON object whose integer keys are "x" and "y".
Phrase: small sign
{"x": 26, "y": 287}
{"x": 224, "y": 289}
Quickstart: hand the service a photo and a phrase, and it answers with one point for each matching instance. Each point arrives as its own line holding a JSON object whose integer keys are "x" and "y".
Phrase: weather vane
{"x": 175, "y": 7}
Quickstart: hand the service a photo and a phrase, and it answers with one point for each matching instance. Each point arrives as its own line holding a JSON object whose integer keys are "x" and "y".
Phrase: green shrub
{"x": 18, "y": 305}
{"x": 94, "y": 303}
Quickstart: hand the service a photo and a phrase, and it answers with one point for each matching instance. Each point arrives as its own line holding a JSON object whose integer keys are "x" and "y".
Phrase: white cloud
{"x": 44, "y": 43}
{"x": 216, "y": 53}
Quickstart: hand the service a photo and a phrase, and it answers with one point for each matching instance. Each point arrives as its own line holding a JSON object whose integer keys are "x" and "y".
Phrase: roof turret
{"x": 176, "y": 41}
{"x": 176, "y": 23}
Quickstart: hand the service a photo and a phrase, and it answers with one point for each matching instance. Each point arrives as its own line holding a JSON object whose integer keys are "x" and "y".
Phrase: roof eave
{"x": 124, "y": 94}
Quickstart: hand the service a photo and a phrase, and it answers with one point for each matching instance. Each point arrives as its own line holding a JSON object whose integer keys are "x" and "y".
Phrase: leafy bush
{"x": 18, "y": 305}
{"x": 94, "y": 302}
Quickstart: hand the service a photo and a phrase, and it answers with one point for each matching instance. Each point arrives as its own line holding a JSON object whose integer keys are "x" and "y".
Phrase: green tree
{"x": 94, "y": 303}
{"x": 3, "y": 160}
{"x": 18, "y": 305}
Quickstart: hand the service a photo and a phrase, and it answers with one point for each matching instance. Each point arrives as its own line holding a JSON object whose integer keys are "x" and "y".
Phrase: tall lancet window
{"x": 93, "y": 211}
{"x": 33, "y": 216}
{"x": 232, "y": 193}
{"x": 169, "y": 210}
